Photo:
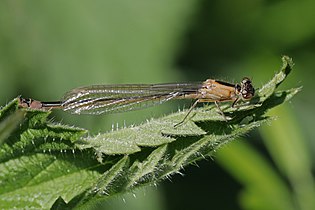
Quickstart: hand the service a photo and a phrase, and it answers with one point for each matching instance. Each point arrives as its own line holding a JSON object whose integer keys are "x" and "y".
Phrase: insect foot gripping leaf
{"x": 44, "y": 165}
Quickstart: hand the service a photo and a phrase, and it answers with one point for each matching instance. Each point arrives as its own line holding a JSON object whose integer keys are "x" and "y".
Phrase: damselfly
{"x": 99, "y": 99}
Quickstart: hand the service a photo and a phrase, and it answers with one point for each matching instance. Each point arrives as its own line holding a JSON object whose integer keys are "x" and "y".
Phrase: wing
{"x": 99, "y": 99}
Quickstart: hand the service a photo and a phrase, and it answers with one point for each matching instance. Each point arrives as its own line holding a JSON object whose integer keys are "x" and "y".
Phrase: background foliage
{"x": 49, "y": 47}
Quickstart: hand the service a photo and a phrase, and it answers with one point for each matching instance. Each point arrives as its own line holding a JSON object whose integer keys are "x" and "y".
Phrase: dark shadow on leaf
{"x": 216, "y": 127}
{"x": 258, "y": 112}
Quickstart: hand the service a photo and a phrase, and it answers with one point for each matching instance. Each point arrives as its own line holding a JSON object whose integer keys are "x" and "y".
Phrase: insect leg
{"x": 190, "y": 109}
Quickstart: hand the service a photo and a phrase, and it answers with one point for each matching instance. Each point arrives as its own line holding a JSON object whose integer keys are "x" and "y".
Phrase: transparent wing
{"x": 99, "y": 99}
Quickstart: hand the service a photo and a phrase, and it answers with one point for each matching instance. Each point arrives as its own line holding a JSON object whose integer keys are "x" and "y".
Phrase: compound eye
{"x": 247, "y": 95}
{"x": 247, "y": 89}
{"x": 246, "y": 80}
{"x": 238, "y": 88}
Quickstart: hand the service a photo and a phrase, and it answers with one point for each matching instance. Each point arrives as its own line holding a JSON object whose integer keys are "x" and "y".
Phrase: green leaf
{"x": 257, "y": 176}
{"x": 44, "y": 165}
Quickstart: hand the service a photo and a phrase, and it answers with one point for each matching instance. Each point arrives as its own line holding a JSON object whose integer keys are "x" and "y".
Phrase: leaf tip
{"x": 287, "y": 64}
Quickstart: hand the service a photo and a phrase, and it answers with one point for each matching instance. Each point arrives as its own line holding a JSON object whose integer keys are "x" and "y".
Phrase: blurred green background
{"x": 49, "y": 47}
